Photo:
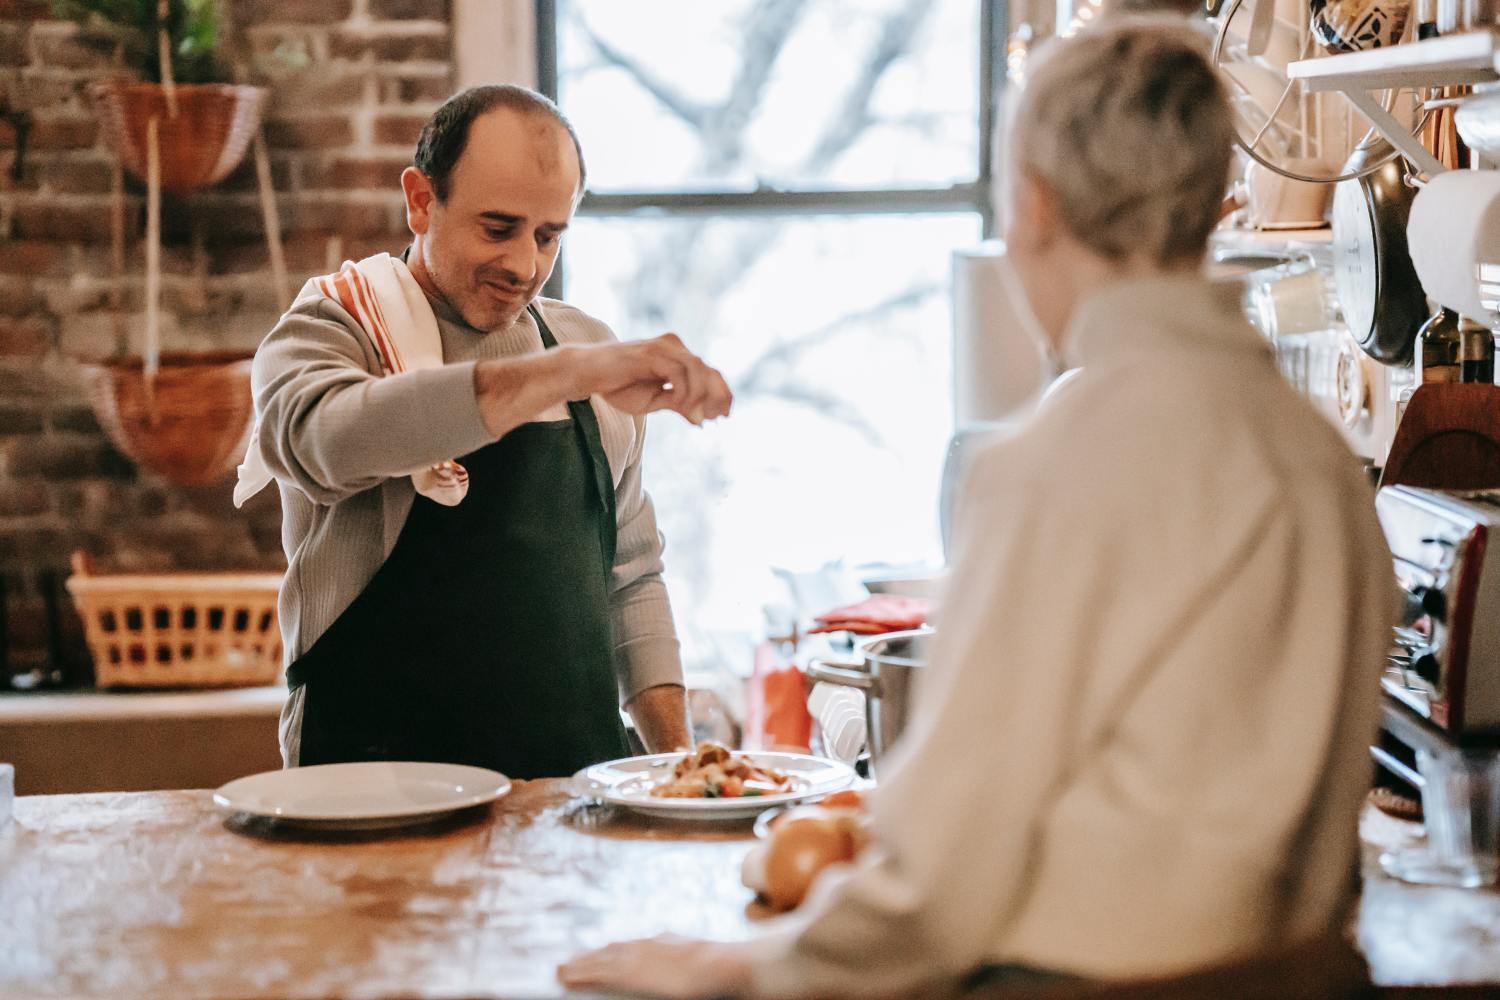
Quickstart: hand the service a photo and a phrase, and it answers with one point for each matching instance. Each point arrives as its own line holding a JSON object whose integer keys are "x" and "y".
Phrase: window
{"x": 782, "y": 183}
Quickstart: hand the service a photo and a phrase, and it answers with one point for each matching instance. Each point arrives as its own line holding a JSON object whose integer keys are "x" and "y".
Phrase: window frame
{"x": 971, "y": 196}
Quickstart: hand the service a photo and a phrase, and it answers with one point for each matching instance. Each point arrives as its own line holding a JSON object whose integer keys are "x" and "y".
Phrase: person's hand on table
{"x": 667, "y": 966}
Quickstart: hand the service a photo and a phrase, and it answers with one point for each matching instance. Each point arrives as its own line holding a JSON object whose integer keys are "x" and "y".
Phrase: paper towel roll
{"x": 997, "y": 362}
{"x": 1454, "y": 230}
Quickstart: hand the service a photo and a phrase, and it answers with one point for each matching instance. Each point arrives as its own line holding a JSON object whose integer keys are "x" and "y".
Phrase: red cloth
{"x": 776, "y": 716}
{"x": 877, "y": 614}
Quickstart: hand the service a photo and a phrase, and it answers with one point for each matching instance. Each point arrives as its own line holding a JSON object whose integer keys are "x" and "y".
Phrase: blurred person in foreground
{"x": 1141, "y": 746}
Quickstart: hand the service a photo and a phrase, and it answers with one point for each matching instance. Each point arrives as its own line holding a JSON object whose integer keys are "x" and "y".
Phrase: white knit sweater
{"x": 1141, "y": 745}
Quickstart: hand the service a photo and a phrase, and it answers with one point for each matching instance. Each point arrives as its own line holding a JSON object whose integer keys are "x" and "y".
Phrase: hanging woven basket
{"x": 200, "y": 144}
{"x": 190, "y": 423}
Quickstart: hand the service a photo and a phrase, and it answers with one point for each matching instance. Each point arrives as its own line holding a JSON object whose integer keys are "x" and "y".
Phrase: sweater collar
{"x": 1160, "y": 315}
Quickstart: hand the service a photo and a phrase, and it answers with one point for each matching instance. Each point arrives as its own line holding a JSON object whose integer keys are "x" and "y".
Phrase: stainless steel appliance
{"x": 1445, "y": 664}
{"x": 1442, "y": 679}
{"x": 887, "y": 676}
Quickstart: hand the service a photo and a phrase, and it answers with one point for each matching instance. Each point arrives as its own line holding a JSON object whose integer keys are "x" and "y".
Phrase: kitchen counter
{"x": 156, "y": 894}
{"x": 98, "y": 741}
{"x": 1422, "y": 935}
{"x": 94, "y": 705}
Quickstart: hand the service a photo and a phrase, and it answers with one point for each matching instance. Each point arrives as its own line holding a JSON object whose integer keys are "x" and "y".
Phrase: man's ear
{"x": 420, "y": 199}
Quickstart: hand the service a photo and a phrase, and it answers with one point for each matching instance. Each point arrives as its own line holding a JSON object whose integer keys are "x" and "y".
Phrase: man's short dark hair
{"x": 447, "y": 132}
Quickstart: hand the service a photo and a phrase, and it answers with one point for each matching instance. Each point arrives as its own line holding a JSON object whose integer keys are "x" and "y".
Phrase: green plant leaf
{"x": 192, "y": 33}
{"x": 200, "y": 29}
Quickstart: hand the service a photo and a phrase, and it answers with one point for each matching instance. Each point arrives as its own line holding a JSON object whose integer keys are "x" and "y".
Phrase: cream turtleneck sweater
{"x": 1141, "y": 745}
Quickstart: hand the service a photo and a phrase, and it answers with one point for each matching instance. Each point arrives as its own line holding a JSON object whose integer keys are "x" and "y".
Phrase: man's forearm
{"x": 513, "y": 391}
{"x": 332, "y": 428}
{"x": 661, "y": 719}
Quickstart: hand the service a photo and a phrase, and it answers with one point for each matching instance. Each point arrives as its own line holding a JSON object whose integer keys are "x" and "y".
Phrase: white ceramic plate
{"x": 629, "y": 782}
{"x": 363, "y": 795}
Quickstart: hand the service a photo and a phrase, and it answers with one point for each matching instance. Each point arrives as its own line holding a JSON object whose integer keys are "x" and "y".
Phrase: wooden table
{"x": 156, "y": 894}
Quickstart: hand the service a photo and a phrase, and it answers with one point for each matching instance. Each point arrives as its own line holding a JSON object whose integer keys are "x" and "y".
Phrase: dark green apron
{"x": 485, "y": 637}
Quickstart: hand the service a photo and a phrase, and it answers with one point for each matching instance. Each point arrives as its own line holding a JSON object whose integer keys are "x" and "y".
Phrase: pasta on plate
{"x": 713, "y": 771}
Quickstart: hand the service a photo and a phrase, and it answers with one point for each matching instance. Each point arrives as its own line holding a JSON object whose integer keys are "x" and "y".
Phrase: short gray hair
{"x": 1130, "y": 126}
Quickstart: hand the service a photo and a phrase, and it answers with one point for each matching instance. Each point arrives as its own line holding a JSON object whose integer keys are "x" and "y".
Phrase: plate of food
{"x": 712, "y": 782}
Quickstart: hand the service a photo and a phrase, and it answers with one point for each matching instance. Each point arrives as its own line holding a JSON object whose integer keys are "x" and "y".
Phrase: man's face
{"x": 491, "y": 245}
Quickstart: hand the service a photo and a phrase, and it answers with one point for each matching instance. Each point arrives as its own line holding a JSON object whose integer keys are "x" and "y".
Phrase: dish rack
{"x": 179, "y": 629}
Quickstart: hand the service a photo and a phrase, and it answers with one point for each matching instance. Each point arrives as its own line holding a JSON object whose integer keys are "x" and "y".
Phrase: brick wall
{"x": 339, "y": 131}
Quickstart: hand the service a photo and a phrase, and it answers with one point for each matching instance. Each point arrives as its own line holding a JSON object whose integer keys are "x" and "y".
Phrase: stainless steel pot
{"x": 891, "y": 666}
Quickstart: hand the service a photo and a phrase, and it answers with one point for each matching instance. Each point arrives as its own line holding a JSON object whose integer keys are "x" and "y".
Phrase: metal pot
{"x": 892, "y": 663}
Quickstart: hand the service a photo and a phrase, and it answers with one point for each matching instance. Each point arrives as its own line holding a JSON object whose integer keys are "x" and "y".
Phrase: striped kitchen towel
{"x": 392, "y": 310}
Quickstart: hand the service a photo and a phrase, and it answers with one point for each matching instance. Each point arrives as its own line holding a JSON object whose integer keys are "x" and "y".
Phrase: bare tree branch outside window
{"x": 683, "y": 269}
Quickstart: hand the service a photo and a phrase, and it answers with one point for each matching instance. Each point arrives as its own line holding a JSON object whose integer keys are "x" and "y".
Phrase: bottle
{"x": 1427, "y": 14}
{"x": 1476, "y": 352}
{"x": 1438, "y": 348}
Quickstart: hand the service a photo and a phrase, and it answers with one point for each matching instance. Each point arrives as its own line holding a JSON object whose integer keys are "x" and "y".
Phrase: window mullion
{"x": 958, "y": 198}
{"x": 994, "y": 28}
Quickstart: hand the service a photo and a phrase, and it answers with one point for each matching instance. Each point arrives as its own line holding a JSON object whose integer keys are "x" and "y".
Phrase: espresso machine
{"x": 1442, "y": 678}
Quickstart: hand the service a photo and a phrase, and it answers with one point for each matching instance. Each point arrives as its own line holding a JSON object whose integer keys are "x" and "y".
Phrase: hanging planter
{"x": 184, "y": 416}
{"x": 189, "y": 422}
{"x": 201, "y": 144}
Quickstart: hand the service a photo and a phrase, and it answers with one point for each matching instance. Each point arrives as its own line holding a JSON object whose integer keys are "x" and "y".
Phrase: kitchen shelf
{"x": 1472, "y": 57}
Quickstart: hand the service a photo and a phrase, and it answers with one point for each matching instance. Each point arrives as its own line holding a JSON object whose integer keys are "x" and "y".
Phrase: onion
{"x": 802, "y": 846}
{"x": 753, "y": 869}
{"x": 849, "y": 798}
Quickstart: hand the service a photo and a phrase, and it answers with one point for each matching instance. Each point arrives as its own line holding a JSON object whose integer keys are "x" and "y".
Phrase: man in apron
{"x": 507, "y": 629}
